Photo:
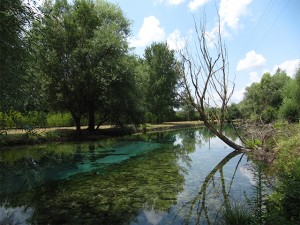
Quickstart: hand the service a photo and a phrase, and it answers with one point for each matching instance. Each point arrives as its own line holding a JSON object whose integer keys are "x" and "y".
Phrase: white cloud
{"x": 171, "y": 2}
{"x": 150, "y": 31}
{"x": 175, "y": 41}
{"x": 290, "y": 66}
{"x": 168, "y": 2}
{"x": 231, "y": 11}
{"x": 254, "y": 77}
{"x": 195, "y": 4}
{"x": 238, "y": 96}
{"x": 252, "y": 60}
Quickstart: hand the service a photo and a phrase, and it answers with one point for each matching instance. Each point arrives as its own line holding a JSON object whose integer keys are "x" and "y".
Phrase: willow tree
{"x": 79, "y": 48}
{"x": 205, "y": 80}
{"x": 15, "y": 15}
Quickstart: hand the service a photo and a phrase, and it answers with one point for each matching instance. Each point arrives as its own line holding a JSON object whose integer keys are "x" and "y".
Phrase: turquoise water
{"x": 178, "y": 177}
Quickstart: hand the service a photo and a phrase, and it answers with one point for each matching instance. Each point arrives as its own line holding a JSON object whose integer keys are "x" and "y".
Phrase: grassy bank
{"x": 278, "y": 171}
{"x": 284, "y": 203}
{"x": 39, "y": 135}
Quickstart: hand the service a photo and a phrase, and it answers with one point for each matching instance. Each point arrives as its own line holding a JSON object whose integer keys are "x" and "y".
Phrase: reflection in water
{"x": 178, "y": 177}
{"x": 15, "y": 216}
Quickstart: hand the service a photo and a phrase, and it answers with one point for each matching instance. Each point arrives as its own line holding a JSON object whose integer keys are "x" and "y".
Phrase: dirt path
{"x": 150, "y": 127}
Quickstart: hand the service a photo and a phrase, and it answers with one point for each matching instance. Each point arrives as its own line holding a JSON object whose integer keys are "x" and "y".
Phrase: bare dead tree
{"x": 205, "y": 81}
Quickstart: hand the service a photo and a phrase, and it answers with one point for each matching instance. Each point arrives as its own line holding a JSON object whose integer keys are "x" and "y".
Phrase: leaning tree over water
{"x": 205, "y": 80}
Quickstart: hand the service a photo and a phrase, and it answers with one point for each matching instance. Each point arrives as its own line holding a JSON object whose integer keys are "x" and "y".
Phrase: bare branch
{"x": 204, "y": 71}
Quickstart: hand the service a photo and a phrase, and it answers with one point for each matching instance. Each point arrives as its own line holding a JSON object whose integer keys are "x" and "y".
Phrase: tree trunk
{"x": 224, "y": 138}
{"x": 101, "y": 122}
{"x": 91, "y": 125}
{"x": 76, "y": 119}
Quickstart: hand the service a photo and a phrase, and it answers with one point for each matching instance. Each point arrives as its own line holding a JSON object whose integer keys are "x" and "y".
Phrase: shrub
{"x": 289, "y": 110}
{"x": 59, "y": 120}
{"x": 284, "y": 207}
{"x": 236, "y": 214}
{"x": 269, "y": 115}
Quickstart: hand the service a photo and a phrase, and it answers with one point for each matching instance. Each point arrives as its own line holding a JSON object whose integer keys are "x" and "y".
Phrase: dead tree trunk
{"x": 204, "y": 73}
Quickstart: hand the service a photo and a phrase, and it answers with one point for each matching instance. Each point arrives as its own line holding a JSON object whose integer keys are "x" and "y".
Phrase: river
{"x": 175, "y": 177}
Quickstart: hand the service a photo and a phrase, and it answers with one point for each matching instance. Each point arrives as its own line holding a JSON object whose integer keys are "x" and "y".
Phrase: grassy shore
{"x": 39, "y": 135}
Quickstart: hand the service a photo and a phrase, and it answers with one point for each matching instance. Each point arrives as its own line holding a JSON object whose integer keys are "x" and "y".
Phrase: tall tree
{"x": 125, "y": 100}
{"x": 14, "y": 17}
{"x": 162, "y": 80}
{"x": 79, "y": 47}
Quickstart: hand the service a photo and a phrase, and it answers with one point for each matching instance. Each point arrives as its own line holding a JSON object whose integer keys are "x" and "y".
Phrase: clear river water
{"x": 175, "y": 177}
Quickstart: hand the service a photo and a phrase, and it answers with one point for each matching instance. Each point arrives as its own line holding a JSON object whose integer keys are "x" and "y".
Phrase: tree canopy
{"x": 162, "y": 80}
{"x": 14, "y": 17}
{"x": 262, "y": 100}
{"x": 82, "y": 51}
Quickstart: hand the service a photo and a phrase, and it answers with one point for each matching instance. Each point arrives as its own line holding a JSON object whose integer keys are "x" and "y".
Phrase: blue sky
{"x": 261, "y": 35}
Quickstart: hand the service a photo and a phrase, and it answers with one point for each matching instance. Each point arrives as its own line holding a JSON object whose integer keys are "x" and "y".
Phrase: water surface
{"x": 178, "y": 177}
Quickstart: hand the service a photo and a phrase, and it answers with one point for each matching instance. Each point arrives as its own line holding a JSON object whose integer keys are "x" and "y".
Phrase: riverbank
{"x": 13, "y": 137}
{"x": 279, "y": 163}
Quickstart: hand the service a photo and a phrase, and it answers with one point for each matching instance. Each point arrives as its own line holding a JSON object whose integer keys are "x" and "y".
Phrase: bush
{"x": 284, "y": 207}
{"x": 291, "y": 194}
{"x": 59, "y": 120}
{"x": 14, "y": 119}
{"x": 269, "y": 115}
{"x": 289, "y": 110}
{"x": 236, "y": 214}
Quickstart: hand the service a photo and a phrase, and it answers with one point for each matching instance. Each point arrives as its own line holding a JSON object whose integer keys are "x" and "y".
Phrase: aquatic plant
{"x": 236, "y": 214}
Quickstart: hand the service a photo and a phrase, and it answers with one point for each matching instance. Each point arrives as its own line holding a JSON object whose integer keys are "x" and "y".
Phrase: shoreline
{"x": 19, "y": 137}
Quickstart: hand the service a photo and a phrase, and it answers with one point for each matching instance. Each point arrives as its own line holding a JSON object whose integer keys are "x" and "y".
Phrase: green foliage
{"x": 284, "y": 203}
{"x": 14, "y": 17}
{"x": 161, "y": 81}
{"x": 283, "y": 206}
{"x": 125, "y": 103}
{"x": 59, "y": 120}
{"x": 262, "y": 100}
{"x": 269, "y": 114}
{"x": 236, "y": 214}
{"x": 289, "y": 110}
{"x": 87, "y": 68}
{"x": 253, "y": 143}
{"x": 287, "y": 151}
{"x": 14, "y": 119}
{"x": 233, "y": 112}
{"x": 276, "y": 96}
{"x": 291, "y": 193}
{"x": 290, "y": 107}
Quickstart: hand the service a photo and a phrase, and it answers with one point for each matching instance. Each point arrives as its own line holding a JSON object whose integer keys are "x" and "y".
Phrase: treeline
{"x": 74, "y": 59}
{"x": 65, "y": 64}
{"x": 275, "y": 97}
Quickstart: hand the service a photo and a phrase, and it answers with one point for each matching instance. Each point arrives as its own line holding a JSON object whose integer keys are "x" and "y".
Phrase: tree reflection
{"x": 198, "y": 210}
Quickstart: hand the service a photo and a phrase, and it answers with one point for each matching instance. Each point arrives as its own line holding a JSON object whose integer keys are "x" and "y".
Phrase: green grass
{"x": 59, "y": 120}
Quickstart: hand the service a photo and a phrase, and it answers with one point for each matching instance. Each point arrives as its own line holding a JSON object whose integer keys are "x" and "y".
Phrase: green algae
{"x": 119, "y": 194}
